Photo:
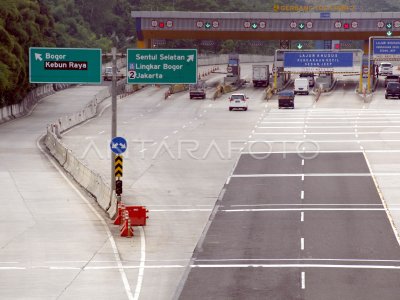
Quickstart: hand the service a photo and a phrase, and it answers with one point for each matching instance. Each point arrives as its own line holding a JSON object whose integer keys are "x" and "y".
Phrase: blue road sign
{"x": 118, "y": 145}
{"x": 386, "y": 46}
{"x": 317, "y": 60}
{"x": 325, "y": 15}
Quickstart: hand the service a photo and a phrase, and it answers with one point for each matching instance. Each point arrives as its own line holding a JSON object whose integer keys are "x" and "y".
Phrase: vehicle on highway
{"x": 107, "y": 75}
{"x": 310, "y": 77}
{"x": 392, "y": 90}
{"x": 391, "y": 78}
{"x": 301, "y": 86}
{"x": 286, "y": 99}
{"x": 385, "y": 68}
{"x": 260, "y": 75}
{"x": 238, "y": 101}
{"x": 198, "y": 90}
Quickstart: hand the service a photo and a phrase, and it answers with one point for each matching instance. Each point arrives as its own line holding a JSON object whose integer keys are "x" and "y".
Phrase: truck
{"x": 233, "y": 69}
{"x": 107, "y": 75}
{"x": 260, "y": 75}
{"x": 198, "y": 90}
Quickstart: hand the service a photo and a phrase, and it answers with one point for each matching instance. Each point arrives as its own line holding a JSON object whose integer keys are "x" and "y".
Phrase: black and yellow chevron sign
{"x": 118, "y": 163}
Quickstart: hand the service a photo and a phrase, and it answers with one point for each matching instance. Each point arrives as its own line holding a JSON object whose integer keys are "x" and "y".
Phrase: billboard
{"x": 315, "y": 61}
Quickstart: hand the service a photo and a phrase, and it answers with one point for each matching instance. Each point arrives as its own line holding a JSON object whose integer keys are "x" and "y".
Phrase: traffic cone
{"x": 121, "y": 209}
{"x": 126, "y": 228}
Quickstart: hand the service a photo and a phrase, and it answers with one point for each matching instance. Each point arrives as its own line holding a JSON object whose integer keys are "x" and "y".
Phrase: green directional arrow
{"x": 299, "y": 46}
{"x": 301, "y": 25}
{"x": 388, "y": 25}
{"x": 207, "y": 25}
{"x": 389, "y": 32}
{"x": 254, "y": 25}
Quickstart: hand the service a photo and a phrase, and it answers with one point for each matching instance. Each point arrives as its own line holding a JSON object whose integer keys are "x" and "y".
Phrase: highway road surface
{"x": 182, "y": 155}
{"x": 290, "y": 227}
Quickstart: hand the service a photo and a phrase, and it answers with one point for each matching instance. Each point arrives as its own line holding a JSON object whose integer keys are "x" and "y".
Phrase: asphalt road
{"x": 294, "y": 228}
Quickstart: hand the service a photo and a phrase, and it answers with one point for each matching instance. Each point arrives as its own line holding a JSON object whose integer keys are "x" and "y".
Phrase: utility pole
{"x": 114, "y": 111}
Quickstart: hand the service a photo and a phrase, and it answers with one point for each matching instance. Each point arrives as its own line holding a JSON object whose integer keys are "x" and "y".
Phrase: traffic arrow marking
{"x": 190, "y": 58}
{"x": 38, "y": 56}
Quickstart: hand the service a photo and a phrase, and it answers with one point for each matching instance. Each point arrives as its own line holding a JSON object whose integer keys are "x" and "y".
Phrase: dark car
{"x": 391, "y": 78}
{"x": 286, "y": 99}
{"x": 392, "y": 90}
{"x": 310, "y": 77}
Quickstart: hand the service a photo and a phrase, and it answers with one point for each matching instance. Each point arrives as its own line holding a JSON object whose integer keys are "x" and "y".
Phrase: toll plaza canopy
{"x": 263, "y": 25}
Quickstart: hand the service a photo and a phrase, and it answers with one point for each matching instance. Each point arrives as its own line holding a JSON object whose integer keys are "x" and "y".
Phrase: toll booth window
{"x": 232, "y": 62}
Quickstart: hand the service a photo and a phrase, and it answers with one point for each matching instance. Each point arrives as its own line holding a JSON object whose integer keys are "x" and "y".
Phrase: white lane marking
{"x": 142, "y": 264}
{"x": 303, "y": 204}
{"x": 166, "y": 137}
{"x": 155, "y": 143}
{"x": 210, "y": 105}
{"x": 322, "y": 141}
{"x": 101, "y": 132}
{"x": 176, "y": 131}
{"x": 361, "y": 147}
{"x": 328, "y": 151}
{"x": 183, "y": 126}
{"x": 298, "y": 266}
{"x": 396, "y": 233}
{"x": 325, "y": 133}
{"x": 302, "y": 162}
{"x": 302, "y": 216}
{"x": 250, "y": 136}
{"x": 303, "y": 280}
{"x": 302, "y": 243}
{"x": 302, "y": 177}
{"x": 317, "y": 175}
{"x": 136, "y": 267}
{"x": 12, "y": 268}
{"x": 300, "y": 259}
{"x": 104, "y": 223}
{"x": 63, "y": 268}
{"x": 228, "y": 180}
{"x": 183, "y": 210}
{"x": 329, "y": 127}
{"x": 302, "y": 195}
{"x": 303, "y": 209}
{"x": 143, "y": 150}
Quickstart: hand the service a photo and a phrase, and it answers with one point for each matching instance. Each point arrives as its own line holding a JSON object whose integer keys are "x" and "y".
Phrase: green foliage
{"x": 104, "y": 23}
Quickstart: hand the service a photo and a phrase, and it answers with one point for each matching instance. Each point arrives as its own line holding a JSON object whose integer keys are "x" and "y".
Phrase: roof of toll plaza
{"x": 264, "y": 25}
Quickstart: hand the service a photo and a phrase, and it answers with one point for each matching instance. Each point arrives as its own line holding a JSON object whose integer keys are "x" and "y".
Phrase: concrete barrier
{"x": 268, "y": 93}
{"x": 176, "y": 88}
{"x": 23, "y": 108}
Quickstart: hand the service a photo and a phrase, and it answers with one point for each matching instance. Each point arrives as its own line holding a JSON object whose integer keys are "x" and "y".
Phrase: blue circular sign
{"x": 118, "y": 145}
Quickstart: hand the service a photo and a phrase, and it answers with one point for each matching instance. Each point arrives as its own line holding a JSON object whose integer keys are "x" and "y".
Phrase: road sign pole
{"x": 369, "y": 67}
{"x": 114, "y": 112}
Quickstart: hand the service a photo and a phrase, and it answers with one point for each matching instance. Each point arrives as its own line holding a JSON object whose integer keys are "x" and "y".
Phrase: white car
{"x": 301, "y": 86}
{"x": 238, "y": 101}
{"x": 385, "y": 68}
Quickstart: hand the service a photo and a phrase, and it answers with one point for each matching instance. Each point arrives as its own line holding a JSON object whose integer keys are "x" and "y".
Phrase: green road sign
{"x": 64, "y": 65}
{"x": 389, "y": 33}
{"x": 162, "y": 66}
{"x": 299, "y": 46}
{"x": 302, "y": 26}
